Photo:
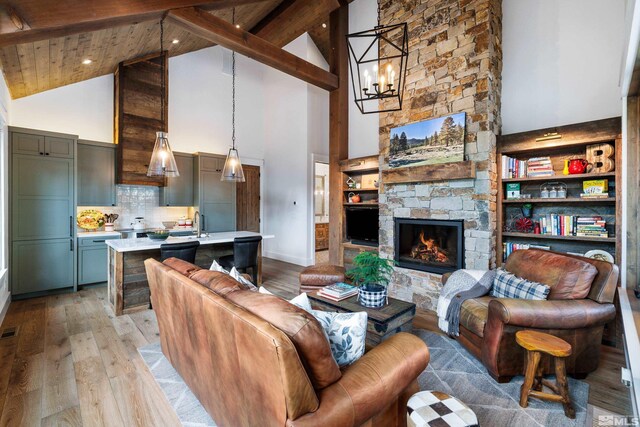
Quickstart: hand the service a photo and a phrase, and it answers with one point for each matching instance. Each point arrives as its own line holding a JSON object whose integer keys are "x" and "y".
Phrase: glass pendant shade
{"x": 162, "y": 161}
{"x": 232, "y": 170}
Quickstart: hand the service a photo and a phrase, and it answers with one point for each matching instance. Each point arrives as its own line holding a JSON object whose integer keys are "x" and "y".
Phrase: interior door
{"x": 248, "y": 200}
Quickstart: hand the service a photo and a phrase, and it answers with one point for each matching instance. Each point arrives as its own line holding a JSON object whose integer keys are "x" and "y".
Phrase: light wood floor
{"x": 73, "y": 363}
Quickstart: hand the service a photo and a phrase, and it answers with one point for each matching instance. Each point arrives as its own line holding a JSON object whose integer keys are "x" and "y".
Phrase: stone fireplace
{"x": 454, "y": 65}
{"x": 431, "y": 245}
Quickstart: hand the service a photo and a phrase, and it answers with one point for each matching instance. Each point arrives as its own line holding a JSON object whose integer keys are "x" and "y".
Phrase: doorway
{"x": 321, "y": 211}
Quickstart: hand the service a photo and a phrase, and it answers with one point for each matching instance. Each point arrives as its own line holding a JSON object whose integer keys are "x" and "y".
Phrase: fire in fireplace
{"x": 429, "y": 245}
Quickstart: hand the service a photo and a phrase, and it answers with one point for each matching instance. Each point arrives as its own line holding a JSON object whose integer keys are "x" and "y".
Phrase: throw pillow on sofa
{"x": 347, "y": 334}
{"x": 217, "y": 267}
{"x": 508, "y": 285}
{"x": 240, "y": 278}
{"x": 301, "y": 300}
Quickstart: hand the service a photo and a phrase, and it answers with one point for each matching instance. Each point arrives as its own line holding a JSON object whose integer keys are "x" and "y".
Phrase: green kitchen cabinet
{"x": 42, "y": 211}
{"x": 96, "y": 174}
{"x": 92, "y": 259}
{"x": 42, "y": 197}
{"x": 214, "y": 199}
{"x": 42, "y": 145}
{"x": 179, "y": 190}
{"x": 42, "y": 265}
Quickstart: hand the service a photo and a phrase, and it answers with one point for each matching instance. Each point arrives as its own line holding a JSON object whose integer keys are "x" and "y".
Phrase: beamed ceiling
{"x": 52, "y": 55}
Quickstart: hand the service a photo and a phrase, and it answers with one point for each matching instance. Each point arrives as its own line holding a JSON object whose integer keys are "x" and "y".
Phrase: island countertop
{"x": 144, "y": 243}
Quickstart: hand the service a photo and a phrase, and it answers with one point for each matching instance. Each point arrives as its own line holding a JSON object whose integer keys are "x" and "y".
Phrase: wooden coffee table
{"x": 381, "y": 322}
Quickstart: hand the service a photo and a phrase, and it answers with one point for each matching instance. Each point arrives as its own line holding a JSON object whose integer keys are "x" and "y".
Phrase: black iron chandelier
{"x": 378, "y": 65}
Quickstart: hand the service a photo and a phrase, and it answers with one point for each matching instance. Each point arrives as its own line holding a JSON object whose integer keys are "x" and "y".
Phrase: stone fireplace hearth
{"x": 431, "y": 245}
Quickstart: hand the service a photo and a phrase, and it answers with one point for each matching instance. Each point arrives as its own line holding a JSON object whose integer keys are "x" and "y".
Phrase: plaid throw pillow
{"x": 507, "y": 285}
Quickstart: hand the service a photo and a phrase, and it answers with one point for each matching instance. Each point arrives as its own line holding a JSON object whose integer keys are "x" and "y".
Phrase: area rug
{"x": 452, "y": 370}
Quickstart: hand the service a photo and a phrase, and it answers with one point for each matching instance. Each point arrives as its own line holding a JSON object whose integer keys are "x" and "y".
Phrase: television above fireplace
{"x": 435, "y": 246}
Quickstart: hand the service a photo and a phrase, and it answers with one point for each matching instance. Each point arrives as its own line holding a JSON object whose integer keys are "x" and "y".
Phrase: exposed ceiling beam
{"x": 46, "y": 19}
{"x": 221, "y": 32}
{"x": 292, "y": 18}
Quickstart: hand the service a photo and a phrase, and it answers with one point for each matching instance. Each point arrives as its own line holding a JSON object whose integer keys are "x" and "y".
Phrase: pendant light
{"x": 232, "y": 170}
{"x": 162, "y": 161}
{"x": 378, "y": 65}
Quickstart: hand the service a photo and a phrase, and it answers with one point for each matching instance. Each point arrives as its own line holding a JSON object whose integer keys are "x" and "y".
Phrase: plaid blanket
{"x": 477, "y": 282}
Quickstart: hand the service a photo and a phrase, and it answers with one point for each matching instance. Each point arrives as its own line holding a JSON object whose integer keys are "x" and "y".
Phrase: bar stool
{"x": 245, "y": 255}
{"x": 535, "y": 343}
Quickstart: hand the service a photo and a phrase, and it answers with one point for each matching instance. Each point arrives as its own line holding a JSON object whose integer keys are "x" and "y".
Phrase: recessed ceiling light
{"x": 237, "y": 25}
{"x": 324, "y": 25}
{"x": 87, "y": 61}
{"x": 175, "y": 41}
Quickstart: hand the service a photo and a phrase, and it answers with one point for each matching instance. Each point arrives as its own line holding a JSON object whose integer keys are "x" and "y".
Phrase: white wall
{"x": 296, "y": 128}
{"x": 561, "y": 62}
{"x": 363, "y": 128}
{"x": 84, "y": 109}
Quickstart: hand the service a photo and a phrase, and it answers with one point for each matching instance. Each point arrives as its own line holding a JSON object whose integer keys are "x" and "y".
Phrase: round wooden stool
{"x": 535, "y": 343}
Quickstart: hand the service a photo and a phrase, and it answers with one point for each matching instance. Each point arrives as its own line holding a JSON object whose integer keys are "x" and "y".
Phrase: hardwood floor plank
{"x": 83, "y": 346}
{"x": 26, "y": 375}
{"x": 98, "y": 405}
{"x": 59, "y": 396}
{"x": 22, "y": 410}
{"x": 76, "y": 318}
{"x": 70, "y": 417}
{"x": 147, "y": 324}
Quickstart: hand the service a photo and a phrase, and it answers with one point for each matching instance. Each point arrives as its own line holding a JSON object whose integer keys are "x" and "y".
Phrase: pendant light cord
{"x": 162, "y": 78}
{"x": 378, "y": 2}
{"x": 233, "y": 88}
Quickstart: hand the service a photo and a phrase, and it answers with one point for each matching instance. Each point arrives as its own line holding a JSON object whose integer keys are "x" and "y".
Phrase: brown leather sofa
{"x": 580, "y": 304}
{"x": 247, "y": 371}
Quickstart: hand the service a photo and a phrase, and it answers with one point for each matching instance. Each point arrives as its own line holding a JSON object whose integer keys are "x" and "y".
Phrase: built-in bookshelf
{"x": 558, "y": 145}
{"x": 363, "y": 174}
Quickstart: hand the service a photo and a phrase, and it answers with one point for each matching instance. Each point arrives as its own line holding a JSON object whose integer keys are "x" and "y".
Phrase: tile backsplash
{"x": 134, "y": 201}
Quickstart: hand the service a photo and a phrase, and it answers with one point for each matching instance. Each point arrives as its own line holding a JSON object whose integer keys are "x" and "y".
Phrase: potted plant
{"x": 371, "y": 274}
{"x": 526, "y": 210}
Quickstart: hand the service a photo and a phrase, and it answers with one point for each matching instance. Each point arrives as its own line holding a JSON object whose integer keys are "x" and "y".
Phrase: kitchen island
{"x": 128, "y": 289}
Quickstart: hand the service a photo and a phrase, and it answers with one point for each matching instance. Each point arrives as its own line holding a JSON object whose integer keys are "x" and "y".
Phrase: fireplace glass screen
{"x": 429, "y": 245}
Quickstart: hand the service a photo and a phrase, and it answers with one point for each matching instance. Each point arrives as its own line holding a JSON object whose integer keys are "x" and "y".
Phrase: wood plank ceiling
{"x": 34, "y": 67}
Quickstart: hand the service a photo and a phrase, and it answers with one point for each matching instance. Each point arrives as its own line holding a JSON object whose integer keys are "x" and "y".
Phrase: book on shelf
{"x": 594, "y": 196}
{"x": 573, "y": 225}
{"x": 508, "y": 248}
{"x": 339, "y": 290}
{"x": 513, "y": 168}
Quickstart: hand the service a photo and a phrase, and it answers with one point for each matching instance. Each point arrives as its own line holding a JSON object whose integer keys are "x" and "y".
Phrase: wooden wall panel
{"x": 138, "y": 115}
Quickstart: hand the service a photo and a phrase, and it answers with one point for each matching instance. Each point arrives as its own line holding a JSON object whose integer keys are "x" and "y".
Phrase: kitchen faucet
{"x": 196, "y": 222}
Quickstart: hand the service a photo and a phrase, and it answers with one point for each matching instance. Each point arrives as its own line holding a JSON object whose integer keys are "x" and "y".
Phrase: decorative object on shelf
{"x": 90, "y": 219}
{"x": 354, "y": 198}
{"x": 527, "y": 209}
{"x": 358, "y": 185}
{"x": 553, "y": 190}
{"x": 351, "y": 183}
{"x": 565, "y": 170}
{"x": 376, "y": 183}
{"x": 601, "y": 156}
{"x": 232, "y": 170}
{"x": 524, "y": 225}
{"x": 429, "y": 142}
{"x": 595, "y": 187}
{"x": 108, "y": 226}
{"x": 372, "y": 275}
{"x": 525, "y": 195}
{"x": 599, "y": 254}
{"x": 513, "y": 191}
{"x": 162, "y": 161}
{"x": 578, "y": 166}
{"x": 378, "y": 65}
{"x": 544, "y": 192}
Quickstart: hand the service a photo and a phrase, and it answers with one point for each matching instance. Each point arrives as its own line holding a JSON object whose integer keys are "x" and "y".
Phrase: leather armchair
{"x": 488, "y": 325}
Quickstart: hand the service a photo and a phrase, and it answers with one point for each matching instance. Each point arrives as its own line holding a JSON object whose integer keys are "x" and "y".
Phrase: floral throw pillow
{"x": 347, "y": 334}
